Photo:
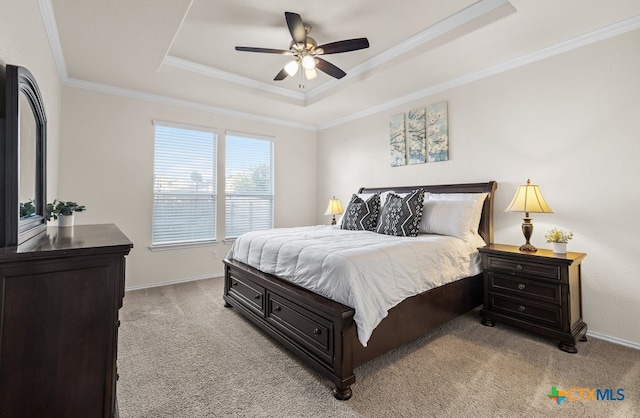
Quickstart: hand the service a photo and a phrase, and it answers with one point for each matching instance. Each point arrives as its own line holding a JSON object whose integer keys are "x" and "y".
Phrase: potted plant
{"x": 63, "y": 212}
{"x": 558, "y": 239}
{"x": 27, "y": 209}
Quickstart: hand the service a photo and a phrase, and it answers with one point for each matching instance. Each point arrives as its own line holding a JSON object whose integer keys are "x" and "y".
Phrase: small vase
{"x": 559, "y": 247}
{"x": 65, "y": 221}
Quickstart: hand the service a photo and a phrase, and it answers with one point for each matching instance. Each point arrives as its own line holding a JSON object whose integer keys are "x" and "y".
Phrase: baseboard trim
{"x": 614, "y": 340}
{"x": 170, "y": 282}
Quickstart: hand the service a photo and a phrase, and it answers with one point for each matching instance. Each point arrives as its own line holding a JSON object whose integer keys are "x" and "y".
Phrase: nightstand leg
{"x": 568, "y": 348}
{"x": 487, "y": 322}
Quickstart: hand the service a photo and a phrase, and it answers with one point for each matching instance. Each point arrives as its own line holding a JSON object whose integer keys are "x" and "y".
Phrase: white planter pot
{"x": 65, "y": 221}
{"x": 559, "y": 247}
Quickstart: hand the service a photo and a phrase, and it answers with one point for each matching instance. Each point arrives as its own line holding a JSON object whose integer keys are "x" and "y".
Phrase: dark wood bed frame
{"x": 322, "y": 332}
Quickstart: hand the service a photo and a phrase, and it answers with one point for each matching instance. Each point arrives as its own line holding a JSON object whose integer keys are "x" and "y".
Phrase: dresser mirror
{"x": 23, "y": 151}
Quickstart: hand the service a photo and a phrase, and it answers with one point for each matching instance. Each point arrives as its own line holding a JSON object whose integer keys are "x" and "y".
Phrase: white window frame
{"x": 213, "y": 194}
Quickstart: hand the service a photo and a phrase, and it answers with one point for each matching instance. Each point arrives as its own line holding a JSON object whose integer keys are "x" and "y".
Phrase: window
{"x": 248, "y": 184}
{"x": 184, "y": 185}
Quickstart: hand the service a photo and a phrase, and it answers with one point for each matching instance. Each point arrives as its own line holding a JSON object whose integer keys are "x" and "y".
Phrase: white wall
{"x": 106, "y": 163}
{"x": 23, "y": 42}
{"x": 570, "y": 123}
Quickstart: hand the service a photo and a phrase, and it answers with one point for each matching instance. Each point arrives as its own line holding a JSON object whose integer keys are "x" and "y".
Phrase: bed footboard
{"x": 318, "y": 330}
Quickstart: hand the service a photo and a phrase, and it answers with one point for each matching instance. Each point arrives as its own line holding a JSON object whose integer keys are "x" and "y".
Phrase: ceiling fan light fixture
{"x": 308, "y": 62}
{"x": 291, "y": 68}
{"x": 306, "y": 51}
{"x": 310, "y": 74}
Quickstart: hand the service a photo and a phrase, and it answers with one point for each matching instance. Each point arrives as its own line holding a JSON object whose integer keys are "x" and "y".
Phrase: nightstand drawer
{"x": 523, "y": 288}
{"x": 529, "y": 311}
{"x": 546, "y": 270}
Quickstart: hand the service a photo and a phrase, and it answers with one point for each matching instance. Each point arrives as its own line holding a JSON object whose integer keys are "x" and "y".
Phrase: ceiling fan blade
{"x": 264, "y": 50}
{"x": 281, "y": 75}
{"x": 329, "y": 68}
{"x": 345, "y": 46}
{"x": 296, "y": 27}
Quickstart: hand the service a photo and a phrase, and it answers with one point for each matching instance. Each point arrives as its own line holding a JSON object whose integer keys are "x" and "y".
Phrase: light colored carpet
{"x": 183, "y": 354}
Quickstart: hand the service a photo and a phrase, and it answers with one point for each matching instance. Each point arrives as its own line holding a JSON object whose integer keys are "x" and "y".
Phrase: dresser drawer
{"x": 523, "y": 288}
{"x": 544, "y": 314}
{"x": 513, "y": 267}
{"x": 248, "y": 293}
{"x": 302, "y": 325}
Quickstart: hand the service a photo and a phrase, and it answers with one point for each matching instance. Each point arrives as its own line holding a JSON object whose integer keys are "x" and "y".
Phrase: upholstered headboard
{"x": 485, "y": 229}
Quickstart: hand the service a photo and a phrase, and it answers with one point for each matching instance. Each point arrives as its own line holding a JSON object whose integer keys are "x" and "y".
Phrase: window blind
{"x": 184, "y": 185}
{"x": 248, "y": 185}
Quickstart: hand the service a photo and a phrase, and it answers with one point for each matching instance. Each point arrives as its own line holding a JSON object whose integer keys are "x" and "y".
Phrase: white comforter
{"x": 364, "y": 270}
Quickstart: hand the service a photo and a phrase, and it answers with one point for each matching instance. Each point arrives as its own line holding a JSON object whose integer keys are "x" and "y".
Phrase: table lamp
{"x": 528, "y": 198}
{"x": 334, "y": 208}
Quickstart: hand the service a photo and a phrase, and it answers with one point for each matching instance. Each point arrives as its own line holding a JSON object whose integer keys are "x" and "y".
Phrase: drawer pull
{"x": 257, "y": 297}
{"x": 317, "y": 331}
{"x": 277, "y": 309}
{"x": 234, "y": 284}
{"x": 521, "y": 308}
{"x": 519, "y": 267}
{"x": 521, "y": 286}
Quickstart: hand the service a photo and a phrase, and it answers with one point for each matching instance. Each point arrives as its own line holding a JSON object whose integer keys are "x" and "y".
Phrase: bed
{"x": 323, "y": 332}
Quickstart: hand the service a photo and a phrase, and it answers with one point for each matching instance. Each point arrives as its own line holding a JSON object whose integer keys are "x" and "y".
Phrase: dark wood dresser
{"x": 60, "y": 296}
{"x": 539, "y": 291}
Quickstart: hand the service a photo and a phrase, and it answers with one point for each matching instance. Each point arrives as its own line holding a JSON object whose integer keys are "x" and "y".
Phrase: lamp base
{"x": 528, "y": 247}
{"x": 527, "y": 230}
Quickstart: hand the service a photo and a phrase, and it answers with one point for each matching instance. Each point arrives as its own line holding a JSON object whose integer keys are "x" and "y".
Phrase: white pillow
{"x": 468, "y": 215}
{"x": 448, "y": 217}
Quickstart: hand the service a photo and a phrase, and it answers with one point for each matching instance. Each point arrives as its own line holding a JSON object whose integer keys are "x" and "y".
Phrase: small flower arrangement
{"x": 558, "y": 235}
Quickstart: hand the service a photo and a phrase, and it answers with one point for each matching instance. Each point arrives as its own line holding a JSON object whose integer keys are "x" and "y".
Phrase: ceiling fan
{"x": 306, "y": 51}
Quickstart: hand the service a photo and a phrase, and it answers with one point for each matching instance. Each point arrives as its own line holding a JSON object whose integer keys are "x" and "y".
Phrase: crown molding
{"x": 233, "y": 78}
{"x": 51, "y": 28}
{"x": 447, "y": 25}
{"x": 610, "y": 31}
{"x": 580, "y": 41}
{"x": 187, "y": 104}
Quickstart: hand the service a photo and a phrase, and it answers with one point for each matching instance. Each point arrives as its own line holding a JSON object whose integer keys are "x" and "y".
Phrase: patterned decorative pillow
{"x": 361, "y": 214}
{"x": 401, "y": 215}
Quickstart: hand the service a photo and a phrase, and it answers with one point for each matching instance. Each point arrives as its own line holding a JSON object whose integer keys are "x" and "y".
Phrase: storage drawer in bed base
{"x": 312, "y": 331}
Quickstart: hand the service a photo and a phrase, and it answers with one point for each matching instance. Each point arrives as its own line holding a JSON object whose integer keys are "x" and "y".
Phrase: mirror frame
{"x": 15, "y": 230}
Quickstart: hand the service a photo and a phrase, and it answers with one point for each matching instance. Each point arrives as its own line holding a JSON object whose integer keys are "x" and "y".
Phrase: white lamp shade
{"x": 528, "y": 198}
{"x": 334, "y": 207}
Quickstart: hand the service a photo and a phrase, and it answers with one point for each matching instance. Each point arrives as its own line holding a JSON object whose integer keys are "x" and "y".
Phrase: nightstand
{"x": 539, "y": 292}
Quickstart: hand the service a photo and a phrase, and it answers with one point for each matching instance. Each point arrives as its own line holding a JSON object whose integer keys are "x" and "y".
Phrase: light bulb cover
{"x": 310, "y": 74}
{"x": 291, "y": 68}
{"x": 308, "y": 62}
